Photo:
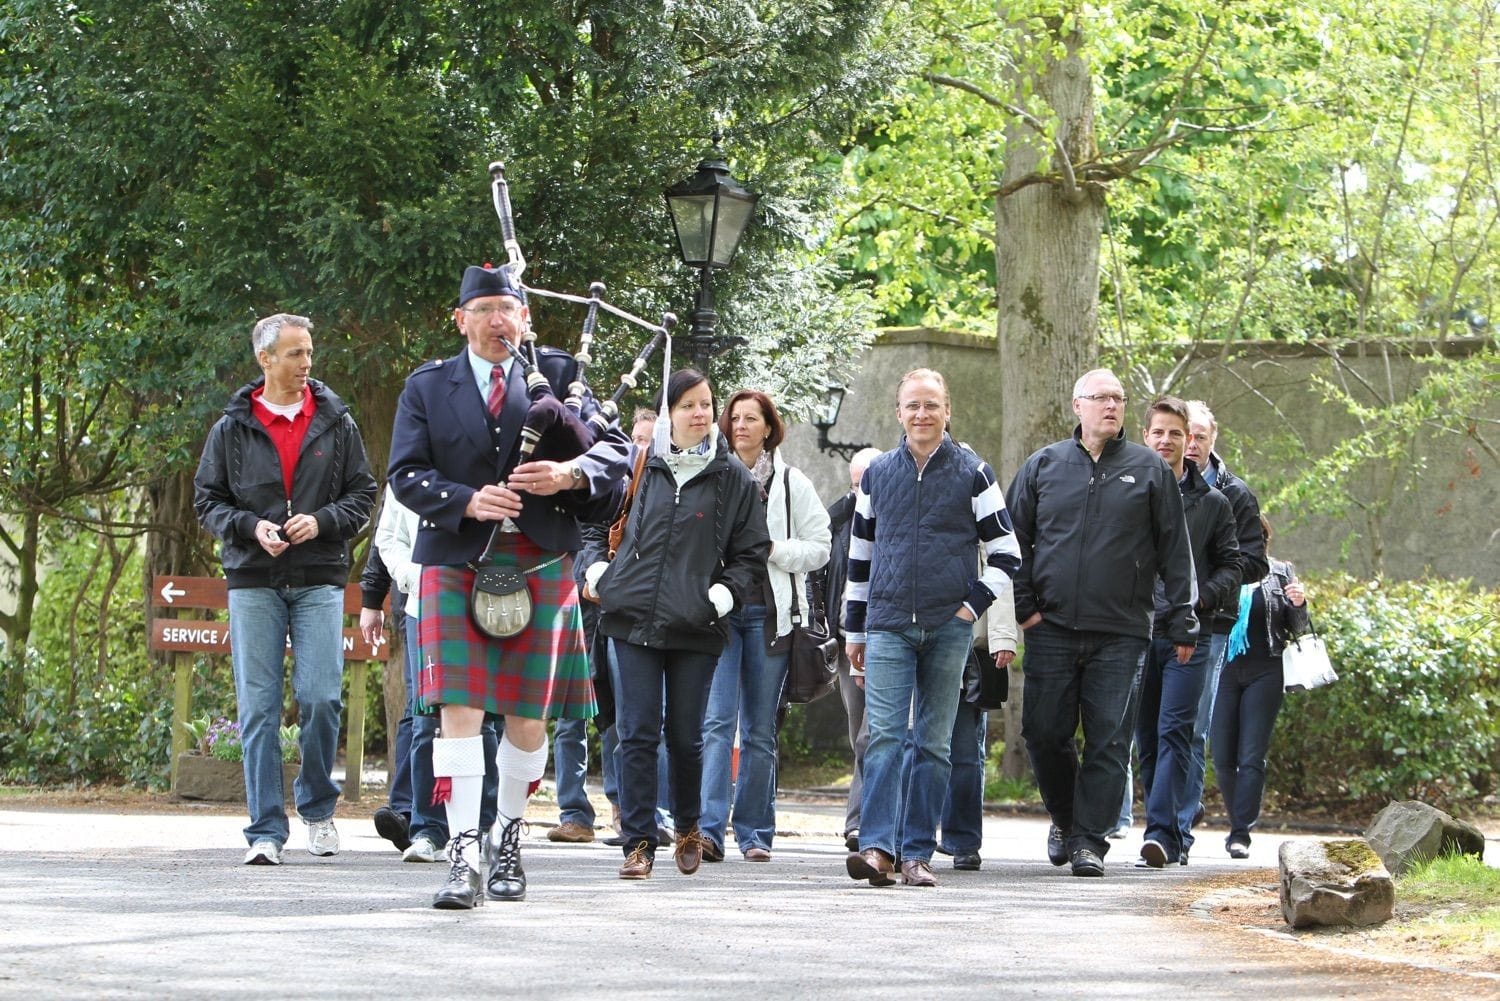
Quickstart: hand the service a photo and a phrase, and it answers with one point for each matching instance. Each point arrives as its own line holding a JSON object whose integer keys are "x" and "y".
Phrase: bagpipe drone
{"x": 556, "y": 429}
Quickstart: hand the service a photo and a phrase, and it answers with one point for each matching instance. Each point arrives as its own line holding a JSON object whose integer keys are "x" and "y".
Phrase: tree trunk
{"x": 1047, "y": 283}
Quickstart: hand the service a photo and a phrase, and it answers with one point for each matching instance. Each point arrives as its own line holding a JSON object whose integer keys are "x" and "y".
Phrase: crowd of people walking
{"x": 647, "y": 581}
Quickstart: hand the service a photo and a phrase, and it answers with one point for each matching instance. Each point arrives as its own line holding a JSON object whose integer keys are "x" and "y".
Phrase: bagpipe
{"x": 557, "y": 429}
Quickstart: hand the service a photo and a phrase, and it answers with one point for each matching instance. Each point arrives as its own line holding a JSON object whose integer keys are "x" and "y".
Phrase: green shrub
{"x": 1413, "y": 714}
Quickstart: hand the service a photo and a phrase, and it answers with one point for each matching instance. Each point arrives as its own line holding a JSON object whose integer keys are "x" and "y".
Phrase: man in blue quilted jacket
{"x": 921, "y": 512}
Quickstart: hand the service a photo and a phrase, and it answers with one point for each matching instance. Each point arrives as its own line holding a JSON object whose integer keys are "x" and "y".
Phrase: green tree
{"x": 172, "y": 171}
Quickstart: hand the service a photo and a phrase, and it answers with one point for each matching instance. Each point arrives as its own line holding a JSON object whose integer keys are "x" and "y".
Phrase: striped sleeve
{"x": 997, "y": 539}
{"x": 861, "y": 548}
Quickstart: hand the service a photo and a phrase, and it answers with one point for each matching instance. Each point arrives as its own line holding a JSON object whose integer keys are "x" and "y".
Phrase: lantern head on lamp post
{"x": 710, "y": 212}
{"x": 827, "y": 418}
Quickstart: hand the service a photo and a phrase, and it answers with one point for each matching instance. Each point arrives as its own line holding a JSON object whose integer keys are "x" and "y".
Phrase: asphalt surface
{"x": 160, "y": 906}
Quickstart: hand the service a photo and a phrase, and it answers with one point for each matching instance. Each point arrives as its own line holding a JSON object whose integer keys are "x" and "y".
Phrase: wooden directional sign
{"x": 210, "y": 636}
{"x": 197, "y": 636}
{"x": 171, "y": 591}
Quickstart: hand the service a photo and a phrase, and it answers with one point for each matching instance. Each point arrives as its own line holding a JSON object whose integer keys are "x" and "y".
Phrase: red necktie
{"x": 497, "y": 391}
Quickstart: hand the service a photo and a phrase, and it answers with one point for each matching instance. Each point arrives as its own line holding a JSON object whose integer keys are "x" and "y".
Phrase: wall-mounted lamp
{"x": 827, "y": 418}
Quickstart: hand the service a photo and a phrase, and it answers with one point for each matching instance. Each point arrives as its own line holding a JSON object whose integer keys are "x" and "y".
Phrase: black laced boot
{"x": 506, "y": 879}
{"x": 461, "y": 891}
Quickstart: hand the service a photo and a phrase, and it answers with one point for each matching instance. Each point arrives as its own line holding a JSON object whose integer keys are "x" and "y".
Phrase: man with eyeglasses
{"x": 913, "y": 594}
{"x": 284, "y": 485}
{"x": 1098, "y": 519}
{"x": 455, "y": 452}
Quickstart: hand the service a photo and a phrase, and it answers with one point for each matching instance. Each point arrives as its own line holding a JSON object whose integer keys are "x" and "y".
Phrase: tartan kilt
{"x": 540, "y": 673}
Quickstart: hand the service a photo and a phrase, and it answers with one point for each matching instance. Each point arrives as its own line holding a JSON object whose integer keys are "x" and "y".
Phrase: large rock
{"x": 1334, "y": 883}
{"x": 1407, "y": 833}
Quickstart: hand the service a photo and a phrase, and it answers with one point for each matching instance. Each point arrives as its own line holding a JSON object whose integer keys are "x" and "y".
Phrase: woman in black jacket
{"x": 694, "y": 549}
{"x": 1272, "y": 612}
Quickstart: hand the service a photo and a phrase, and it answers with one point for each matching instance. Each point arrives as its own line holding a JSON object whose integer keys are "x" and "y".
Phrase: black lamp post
{"x": 710, "y": 213}
{"x": 824, "y": 422}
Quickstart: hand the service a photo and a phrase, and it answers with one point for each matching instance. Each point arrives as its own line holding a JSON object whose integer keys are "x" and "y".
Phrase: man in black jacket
{"x": 1170, "y": 688}
{"x": 828, "y": 595}
{"x": 1203, "y": 437}
{"x": 1098, "y": 519}
{"x": 283, "y": 484}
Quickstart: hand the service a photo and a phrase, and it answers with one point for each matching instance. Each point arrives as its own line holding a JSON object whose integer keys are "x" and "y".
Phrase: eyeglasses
{"x": 485, "y": 312}
{"x": 1118, "y": 399}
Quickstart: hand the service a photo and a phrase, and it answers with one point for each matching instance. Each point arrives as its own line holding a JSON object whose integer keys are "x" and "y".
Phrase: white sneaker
{"x": 421, "y": 849}
{"x": 322, "y": 837}
{"x": 263, "y": 852}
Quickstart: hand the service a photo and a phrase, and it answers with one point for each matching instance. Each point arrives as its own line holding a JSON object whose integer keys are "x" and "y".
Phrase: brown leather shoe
{"x": 872, "y": 864}
{"x": 757, "y": 854}
{"x": 572, "y": 833}
{"x": 638, "y": 863}
{"x": 689, "y": 851}
{"x": 917, "y": 872}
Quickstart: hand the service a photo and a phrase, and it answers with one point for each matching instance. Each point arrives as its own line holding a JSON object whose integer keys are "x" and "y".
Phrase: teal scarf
{"x": 1239, "y": 636}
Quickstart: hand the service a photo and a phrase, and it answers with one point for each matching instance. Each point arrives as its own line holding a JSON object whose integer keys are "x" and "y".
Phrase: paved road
{"x": 158, "y": 906}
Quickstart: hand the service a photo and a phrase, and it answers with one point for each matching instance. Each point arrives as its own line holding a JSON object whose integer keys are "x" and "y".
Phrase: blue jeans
{"x": 1078, "y": 678}
{"x": 656, "y": 683}
{"x": 260, "y": 619}
{"x": 399, "y": 796}
{"x": 927, "y": 664}
{"x": 745, "y": 695}
{"x": 570, "y": 758}
{"x": 1192, "y": 799}
{"x": 1250, "y": 696}
{"x": 1170, "y": 691}
{"x": 432, "y": 821}
{"x": 609, "y": 750}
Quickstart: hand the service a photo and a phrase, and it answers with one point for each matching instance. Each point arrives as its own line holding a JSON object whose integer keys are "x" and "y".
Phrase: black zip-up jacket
{"x": 1251, "y": 537}
{"x": 1094, "y": 536}
{"x": 826, "y": 586}
{"x": 677, "y": 544}
{"x": 1216, "y": 553}
{"x": 239, "y": 482}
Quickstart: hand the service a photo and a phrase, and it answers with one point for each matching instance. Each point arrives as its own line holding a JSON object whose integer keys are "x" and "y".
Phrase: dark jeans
{"x": 426, "y": 819}
{"x": 962, "y": 827}
{"x": 1245, "y": 711}
{"x": 1073, "y": 678}
{"x": 1169, "y": 695}
{"x": 963, "y": 811}
{"x": 645, "y": 674}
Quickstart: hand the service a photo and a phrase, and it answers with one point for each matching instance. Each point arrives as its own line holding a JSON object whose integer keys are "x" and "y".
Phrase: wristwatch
{"x": 576, "y": 471}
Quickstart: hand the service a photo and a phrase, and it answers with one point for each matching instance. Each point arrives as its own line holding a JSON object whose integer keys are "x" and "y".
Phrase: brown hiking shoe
{"x": 572, "y": 833}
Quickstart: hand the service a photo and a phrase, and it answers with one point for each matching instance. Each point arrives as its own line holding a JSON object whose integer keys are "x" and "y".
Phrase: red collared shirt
{"x": 287, "y": 435}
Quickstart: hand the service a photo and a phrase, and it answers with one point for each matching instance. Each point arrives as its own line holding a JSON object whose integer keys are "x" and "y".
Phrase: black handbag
{"x": 985, "y": 685}
{"x": 812, "y": 664}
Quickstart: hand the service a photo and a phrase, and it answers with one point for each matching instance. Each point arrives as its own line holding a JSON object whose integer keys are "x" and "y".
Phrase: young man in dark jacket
{"x": 1170, "y": 688}
{"x": 283, "y": 484}
{"x": 1098, "y": 519}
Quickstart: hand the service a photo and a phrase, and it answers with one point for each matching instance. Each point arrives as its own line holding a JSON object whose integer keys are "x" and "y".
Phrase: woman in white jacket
{"x": 751, "y": 673}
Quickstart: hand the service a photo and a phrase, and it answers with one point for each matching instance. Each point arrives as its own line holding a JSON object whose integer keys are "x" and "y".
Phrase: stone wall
{"x": 1436, "y": 511}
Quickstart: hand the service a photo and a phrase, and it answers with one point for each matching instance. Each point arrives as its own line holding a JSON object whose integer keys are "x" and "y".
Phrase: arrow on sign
{"x": 169, "y": 591}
